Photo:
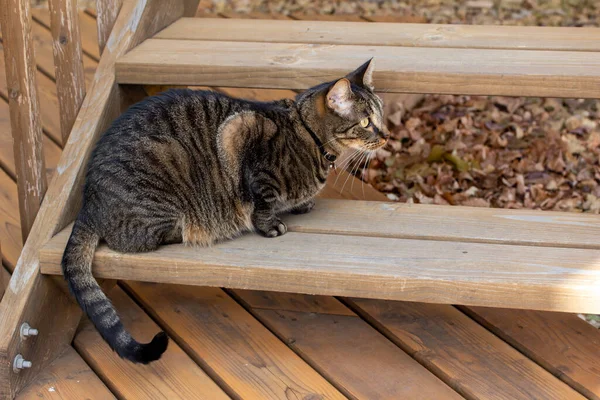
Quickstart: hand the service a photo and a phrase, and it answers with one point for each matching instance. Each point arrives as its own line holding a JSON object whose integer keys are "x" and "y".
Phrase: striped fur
{"x": 200, "y": 167}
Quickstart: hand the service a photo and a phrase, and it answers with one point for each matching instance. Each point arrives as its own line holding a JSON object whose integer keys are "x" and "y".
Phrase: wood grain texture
{"x": 87, "y": 28}
{"x": 7, "y": 160}
{"x": 398, "y": 69}
{"x": 67, "y": 378}
{"x": 462, "y": 353}
{"x": 552, "y": 279}
{"x": 358, "y": 360}
{"x": 106, "y": 15}
{"x": 32, "y": 297}
{"x": 449, "y": 223}
{"x": 237, "y": 351}
{"x": 10, "y": 226}
{"x": 174, "y": 376}
{"x": 4, "y": 278}
{"x": 43, "y": 43}
{"x": 48, "y": 101}
{"x": 319, "y": 29}
{"x": 19, "y": 61}
{"x": 68, "y": 61}
{"x": 562, "y": 343}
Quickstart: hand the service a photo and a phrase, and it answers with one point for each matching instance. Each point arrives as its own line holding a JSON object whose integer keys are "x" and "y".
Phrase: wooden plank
{"x": 32, "y": 297}
{"x": 239, "y": 352}
{"x": 23, "y": 101}
{"x": 448, "y": 223}
{"x": 463, "y": 354}
{"x": 385, "y": 34}
{"x": 48, "y": 100}
{"x": 42, "y": 40}
{"x": 10, "y": 226}
{"x": 550, "y": 279}
{"x": 562, "y": 343}
{"x": 68, "y": 61}
{"x": 67, "y": 378}
{"x": 174, "y": 376}
{"x": 50, "y": 150}
{"x": 89, "y": 35}
{"x": 4, "y": 278}
{"x": 398, "y": 69}
{"x": 106, "y": 14}
{"x": 342, "y": 347}
{"x": 87, "y": 28}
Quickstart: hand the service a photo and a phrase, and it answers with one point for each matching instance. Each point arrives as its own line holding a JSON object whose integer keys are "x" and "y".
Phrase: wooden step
{"x": 457, "y": 261}
{"x": 513, "y": 61}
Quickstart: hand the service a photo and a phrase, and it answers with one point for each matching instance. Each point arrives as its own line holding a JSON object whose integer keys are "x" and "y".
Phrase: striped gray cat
{"x": 200, "y": 167}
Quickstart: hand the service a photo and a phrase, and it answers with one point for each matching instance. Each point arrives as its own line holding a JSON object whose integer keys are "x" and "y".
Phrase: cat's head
{"x": 348, "y": 112}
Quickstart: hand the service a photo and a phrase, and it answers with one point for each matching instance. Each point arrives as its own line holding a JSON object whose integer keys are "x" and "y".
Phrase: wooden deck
{"x": 264, "y": 345}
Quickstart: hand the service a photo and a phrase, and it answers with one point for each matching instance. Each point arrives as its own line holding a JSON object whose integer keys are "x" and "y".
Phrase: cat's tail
{"x": 77, "y": 270}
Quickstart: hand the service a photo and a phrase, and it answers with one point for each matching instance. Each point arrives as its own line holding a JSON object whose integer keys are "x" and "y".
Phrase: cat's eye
{"x": 365, "y": 122}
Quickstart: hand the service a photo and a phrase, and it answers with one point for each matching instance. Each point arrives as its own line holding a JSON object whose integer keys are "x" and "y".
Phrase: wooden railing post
{"x": 15, "y": 18}
{"x": 68, "y": 61}
{"x": 107, "y": 11}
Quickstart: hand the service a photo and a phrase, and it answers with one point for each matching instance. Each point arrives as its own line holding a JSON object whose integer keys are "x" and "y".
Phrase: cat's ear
{"x": 363, "y": 75}
{"x": 339, "y": 97}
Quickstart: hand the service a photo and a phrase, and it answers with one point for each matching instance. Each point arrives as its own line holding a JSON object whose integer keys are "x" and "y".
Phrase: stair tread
{"x": 307, "y": 260}
{"x": 473, "y": 61}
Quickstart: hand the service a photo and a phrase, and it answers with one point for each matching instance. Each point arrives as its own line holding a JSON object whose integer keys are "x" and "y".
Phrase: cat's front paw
{"x": 274, "y": 229}
{"x": 303, "y": 208}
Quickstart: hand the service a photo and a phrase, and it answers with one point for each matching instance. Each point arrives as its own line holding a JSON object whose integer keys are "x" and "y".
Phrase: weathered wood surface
{"x": 67, "y": 378}
{"x": 87, "y": 28}
{"x": 562, "y": 343}
{"x": 68, "y": 61}
{"x": 548, "y": 278}
{"x": 32, "y": 297}
{"x": 448, "y": 223}
{"x": 23, "y": 101}
{"x": 42, "y": 40}
{"x": 4, "y": 278}
{"x": 7, "y": 160}
{"x": 398, "y": 69}
{"x": 323, "y": 31}
{"x": 462, "y": 353}
{"x": 48, "y": 102}
{"x": 106, "y": 14}
{"x": 356, "y": 358}
{"x": 10, "y": 226}
{"x": 240, "y": 353}
{"x": 174, "y": 376}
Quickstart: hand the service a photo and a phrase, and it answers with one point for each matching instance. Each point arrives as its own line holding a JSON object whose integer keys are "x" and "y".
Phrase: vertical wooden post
{"x": 68, "y": 61}
{"x": 107, "y": 11}
{"x": 30, "y": 296}
{"x": 25, "y": 121}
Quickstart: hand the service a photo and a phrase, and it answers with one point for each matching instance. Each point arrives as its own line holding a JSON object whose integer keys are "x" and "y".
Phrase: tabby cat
{"x": 200, "y": 167}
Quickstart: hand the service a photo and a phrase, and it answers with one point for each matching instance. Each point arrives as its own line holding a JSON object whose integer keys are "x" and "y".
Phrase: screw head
{"x": 20, "y": 363}
{"x": 26, "y": 331}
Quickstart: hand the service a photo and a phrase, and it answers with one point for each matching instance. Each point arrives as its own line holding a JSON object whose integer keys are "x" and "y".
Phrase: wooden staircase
{"x": 380, "y": 250}
{"x": 450, "y": 255}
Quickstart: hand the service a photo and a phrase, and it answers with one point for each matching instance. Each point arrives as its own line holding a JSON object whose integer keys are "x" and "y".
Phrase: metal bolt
{"x": 26, "y": 331}
{"x": 20, "y": 363}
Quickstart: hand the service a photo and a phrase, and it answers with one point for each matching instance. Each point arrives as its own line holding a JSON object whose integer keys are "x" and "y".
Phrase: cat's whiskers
{"x": 347, "y": 162}
{"x": 350, "y": 172}
{"x": 365, "y": 170}
{"x": 358, "y": 164}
